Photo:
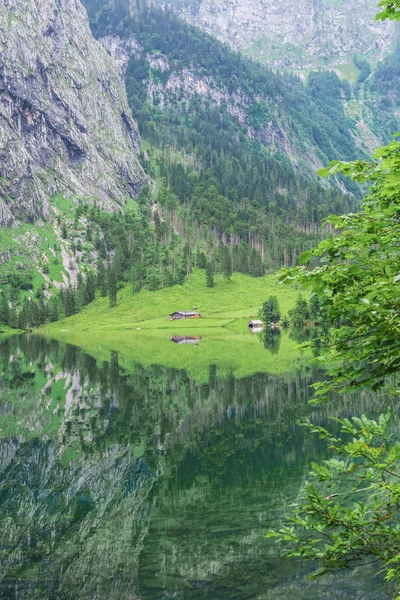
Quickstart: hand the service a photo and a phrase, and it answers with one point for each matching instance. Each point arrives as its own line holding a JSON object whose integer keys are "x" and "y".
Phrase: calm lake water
{"x": 144, "y": 484}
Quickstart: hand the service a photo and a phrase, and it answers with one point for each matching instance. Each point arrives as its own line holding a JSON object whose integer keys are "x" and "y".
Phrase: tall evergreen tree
{"x": 112, "y": 285}
{"x": 4, "y": 310}
{"x": 270, "y": 312}
{"x": 226, "y": 260}
{"x": 256, "y": 267}
{"x": 69, "y": 302}
{"x": 209, "y": 274}
{"x": 101, "y": 278}
{"x": 52, "y": 310}
{"x": 89, "y": 289}
{"x": 300, "y": 313}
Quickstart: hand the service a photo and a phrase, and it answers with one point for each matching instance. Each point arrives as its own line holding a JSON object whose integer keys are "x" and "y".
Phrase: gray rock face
{"x": 65, "y": 125}
{"x": 294, "y": 35}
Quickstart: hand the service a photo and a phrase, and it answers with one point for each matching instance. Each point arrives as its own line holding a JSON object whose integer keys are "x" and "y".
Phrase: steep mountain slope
{"x": 313, "y": 34}
{"x": 180, "y": 65}
{"x": 65, "y": 125}
{"x": 335, "y": 35}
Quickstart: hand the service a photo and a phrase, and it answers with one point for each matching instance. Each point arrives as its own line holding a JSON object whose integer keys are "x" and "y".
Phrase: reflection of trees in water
{"x": 72, "y": 490}
{"x": 271, "y": 338}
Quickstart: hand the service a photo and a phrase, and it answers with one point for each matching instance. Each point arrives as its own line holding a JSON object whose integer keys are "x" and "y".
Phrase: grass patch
{"x": 139, "y": 330}
{"x": 229, "y": 303}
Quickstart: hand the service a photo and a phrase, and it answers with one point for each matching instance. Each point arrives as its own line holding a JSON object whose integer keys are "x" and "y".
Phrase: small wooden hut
{"x": 255, "y": 323}
{"x": 184, "y": 314}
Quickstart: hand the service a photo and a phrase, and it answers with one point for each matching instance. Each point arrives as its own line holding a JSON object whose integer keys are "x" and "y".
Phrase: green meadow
{"x": 139, "y": 330}
{"x": 229, "y": 304}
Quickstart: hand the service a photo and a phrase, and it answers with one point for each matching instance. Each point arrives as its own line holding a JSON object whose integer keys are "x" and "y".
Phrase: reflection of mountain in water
{"x": 118, "y": 484}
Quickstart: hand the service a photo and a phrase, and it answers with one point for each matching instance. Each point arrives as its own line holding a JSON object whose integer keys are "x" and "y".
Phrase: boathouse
{"x": 184, "y": 314}
{"x": 255, "y": 323}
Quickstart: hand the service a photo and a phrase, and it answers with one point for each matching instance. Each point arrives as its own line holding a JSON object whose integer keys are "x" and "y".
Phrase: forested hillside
{"x": 237, "y": 145}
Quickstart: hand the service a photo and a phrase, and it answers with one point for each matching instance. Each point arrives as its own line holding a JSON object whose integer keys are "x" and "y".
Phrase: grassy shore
{"x": 139, "y": 330}
{"x": 230, "y": 352}
{"x": 229, "y": 304}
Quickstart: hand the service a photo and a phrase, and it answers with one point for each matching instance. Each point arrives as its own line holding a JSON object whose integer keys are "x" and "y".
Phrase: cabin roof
{"x": 256, "y": 322}
{"x": 186, "y": 313}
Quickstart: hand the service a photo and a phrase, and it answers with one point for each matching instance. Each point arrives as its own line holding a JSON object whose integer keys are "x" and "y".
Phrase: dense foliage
{"x": 352, "y": 516}
{"x": 391, "y": 10}
{"x": 358, "y": 278}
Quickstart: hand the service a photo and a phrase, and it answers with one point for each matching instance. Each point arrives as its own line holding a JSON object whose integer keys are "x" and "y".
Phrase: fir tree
{"x": 226, "y": 263}
{"x": 89, "y": 289}
{"x": 256, "y": 267}
{"x": 134, "y": 280}
{"x": 243, "y": 258}
{"x": 112, "y": 285}
{"x": 4, "y": 310}
{"x": 101, "y": 278}
{"x": 69, "y": 301}
{"x": 52, "y": 310}
{"x": 300, "y": 313}
{"x": 200, "y": 259}
{"x": 317, "y": 311}
{"x": 209, "y": 274}
{"x": 270, "y": 312}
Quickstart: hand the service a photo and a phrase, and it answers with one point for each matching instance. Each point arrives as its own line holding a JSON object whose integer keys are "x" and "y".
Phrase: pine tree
{"x": 52, "y": 311}
{"x": 4, "y": 310}
{"x": 13, "y": 318}
{"x": 243, "y": 258}
{"x": 89, "y": 289}
{"x": 256, "y": 267}
{"x": 33, "y": 318}
{"x": 209, "y": 274}
{"x": 226, "y": 263}
{"x": 201, "y": 260}
{"x": 270, "y": 312}
{"x": 180, "y": 272}
{"x": 101, "y": 278}
{"x": 134, "y": 280}
{"x": 153, "y": 279}
{"x": 79, "y": 293}
{"x": 300, "y": 313}
{"x": 315, "y": 308}
{"x": 69, "y": 301}
{"x": 112, "y": 285}
{"x": 23, "y": 316}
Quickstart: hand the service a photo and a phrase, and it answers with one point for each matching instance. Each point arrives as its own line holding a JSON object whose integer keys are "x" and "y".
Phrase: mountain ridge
{"x": 316, "y": 32}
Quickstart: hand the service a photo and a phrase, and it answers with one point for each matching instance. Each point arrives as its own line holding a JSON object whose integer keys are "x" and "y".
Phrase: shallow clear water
{"x": 145, "y": 484}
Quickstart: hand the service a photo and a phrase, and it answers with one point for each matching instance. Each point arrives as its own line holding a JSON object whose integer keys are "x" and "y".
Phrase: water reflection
{"x": 146, "y": 484}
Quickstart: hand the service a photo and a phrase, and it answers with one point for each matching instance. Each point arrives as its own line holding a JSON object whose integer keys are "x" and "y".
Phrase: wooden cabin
{"x": 181, "y": 339}
{"x": 184, "y": 314}
{"x": 255, "y": 323}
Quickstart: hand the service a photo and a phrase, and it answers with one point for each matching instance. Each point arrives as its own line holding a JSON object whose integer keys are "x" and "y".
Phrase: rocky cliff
{"x": 309, "y": 34}
{"x": 65, "y": 125}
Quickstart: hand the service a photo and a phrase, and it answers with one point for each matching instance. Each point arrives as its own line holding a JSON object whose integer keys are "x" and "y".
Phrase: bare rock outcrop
{"x": 65, "y": 124}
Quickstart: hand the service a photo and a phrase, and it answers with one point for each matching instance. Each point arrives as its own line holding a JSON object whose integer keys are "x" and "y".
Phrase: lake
{"x": 123, "y": 477}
